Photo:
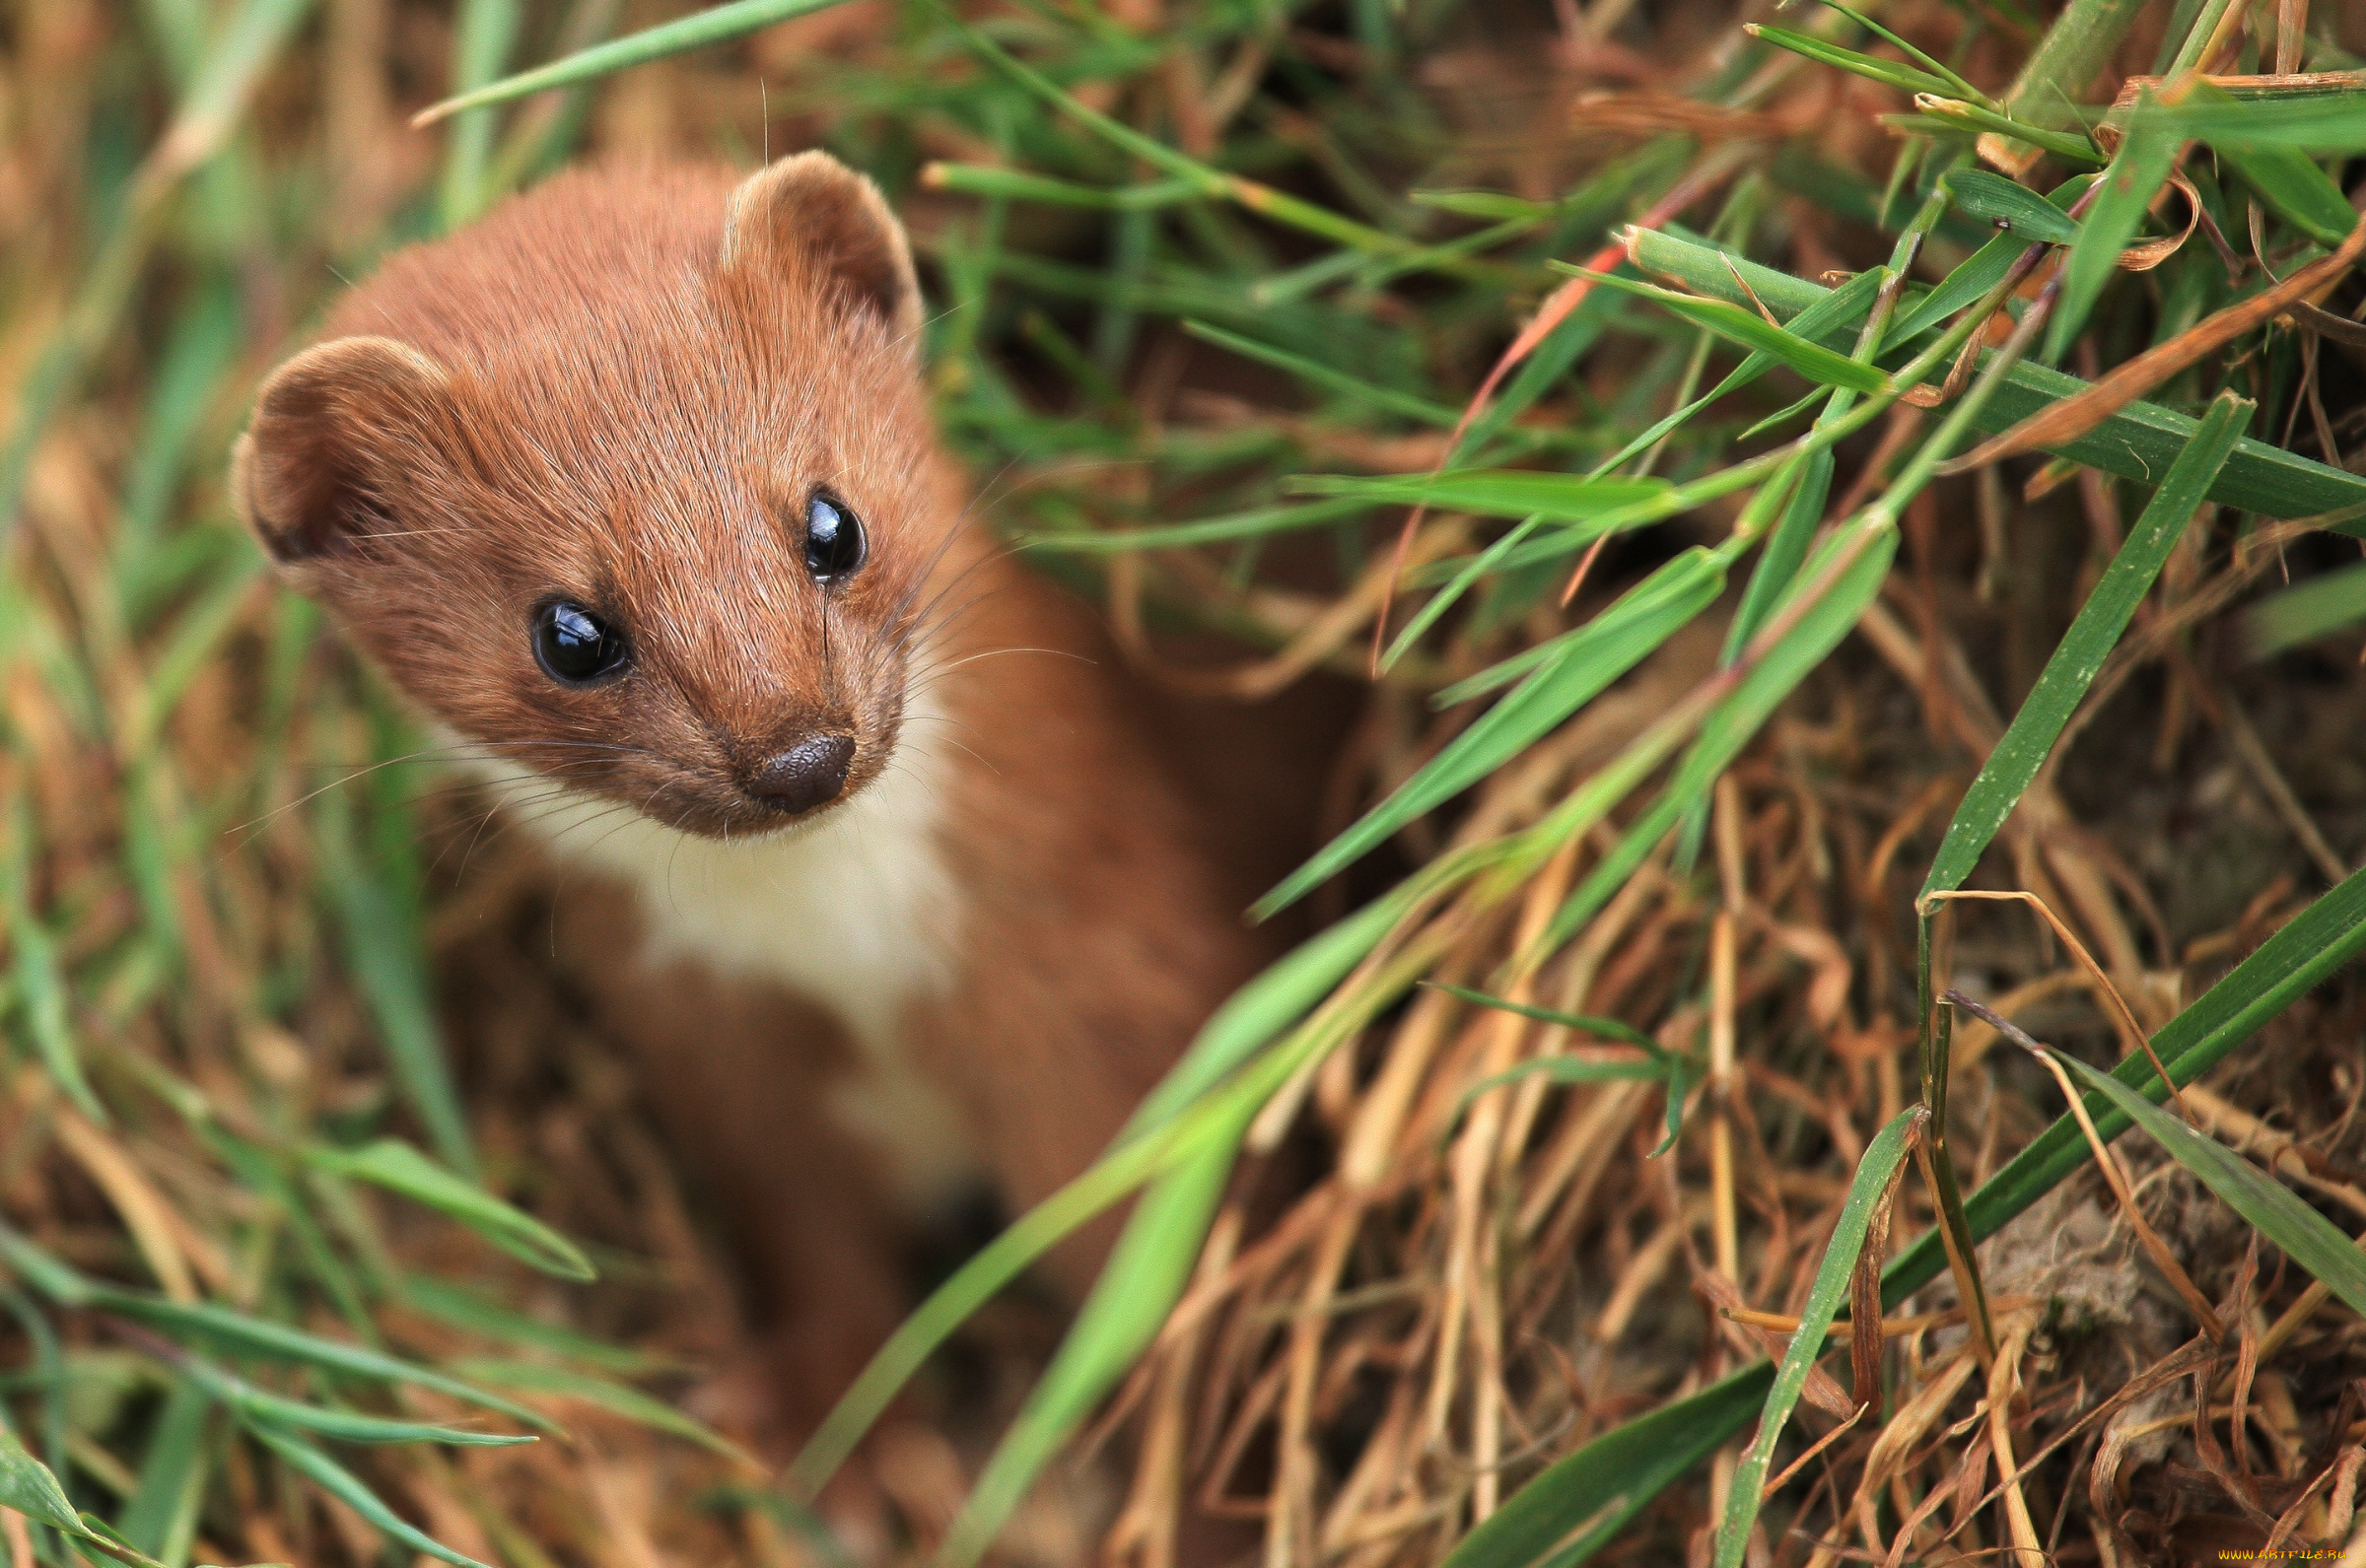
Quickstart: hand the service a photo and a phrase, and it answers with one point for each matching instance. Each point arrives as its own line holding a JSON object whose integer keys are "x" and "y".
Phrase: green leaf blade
{"x": 2306, "y": 1237}
{"x": 2063, "y": 683}
{"x": 2136, "y": 174}
{"x": 2005, "y": 204}
{"x": 351, "y": 1490}
{"x": 1615, "y": 642}
{"x": 716, "y": 25}
{"x": 1888, "y": 72}
{"x": 1129, "y": 1304}
{"x": 397, "y": 1166}
{"x": 1744, "y": 325}
{"x": 2317, "y": 607}
{"x": 1884, "y": 1157}
{"x": 1580, "y": 1503}
{"x": 1491, "y": 492}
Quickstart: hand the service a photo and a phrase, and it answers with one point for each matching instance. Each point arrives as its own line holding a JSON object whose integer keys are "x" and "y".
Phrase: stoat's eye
{"x": 835, "y": 546}
{"x": 573, "y": 646}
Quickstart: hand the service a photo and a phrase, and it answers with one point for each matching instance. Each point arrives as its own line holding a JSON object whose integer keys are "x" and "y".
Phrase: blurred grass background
{"x": 1259, "y": 318}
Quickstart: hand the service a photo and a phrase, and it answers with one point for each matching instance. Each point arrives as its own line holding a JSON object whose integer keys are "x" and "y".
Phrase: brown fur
{"x": 594, "y": 394}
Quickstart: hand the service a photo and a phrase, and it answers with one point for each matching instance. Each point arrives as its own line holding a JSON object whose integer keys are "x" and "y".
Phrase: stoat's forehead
{"x": 670, "y": 475}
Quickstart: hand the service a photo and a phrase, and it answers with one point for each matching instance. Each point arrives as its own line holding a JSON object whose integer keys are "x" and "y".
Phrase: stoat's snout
{"x": 809, "y": 774}
{"x": 650, "y": 515}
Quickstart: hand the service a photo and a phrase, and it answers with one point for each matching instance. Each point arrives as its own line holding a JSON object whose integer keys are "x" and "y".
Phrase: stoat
{"x": 633, "y": 488}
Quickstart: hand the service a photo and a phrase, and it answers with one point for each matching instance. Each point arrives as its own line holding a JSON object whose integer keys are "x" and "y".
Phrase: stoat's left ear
{"x": 813, "y": 220}
{"x": 342, "y": 434}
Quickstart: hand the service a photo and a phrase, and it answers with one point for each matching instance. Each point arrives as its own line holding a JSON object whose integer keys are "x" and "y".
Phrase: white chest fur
{"x": 858, "y": 912}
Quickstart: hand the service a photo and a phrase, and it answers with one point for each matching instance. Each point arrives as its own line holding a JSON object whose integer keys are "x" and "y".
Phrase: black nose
{"x": 809, "y": 774}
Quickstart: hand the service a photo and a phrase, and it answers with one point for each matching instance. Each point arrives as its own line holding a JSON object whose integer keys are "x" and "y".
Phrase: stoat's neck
{"x": 858, "y": 912}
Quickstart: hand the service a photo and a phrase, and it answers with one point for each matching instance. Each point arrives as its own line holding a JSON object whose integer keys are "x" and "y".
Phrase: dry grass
{"x": 228, "y": 875}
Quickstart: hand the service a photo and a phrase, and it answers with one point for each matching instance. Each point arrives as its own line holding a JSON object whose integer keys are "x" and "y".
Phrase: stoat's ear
{"x": 813, "y": 218}
{"x": 335, "y": 428}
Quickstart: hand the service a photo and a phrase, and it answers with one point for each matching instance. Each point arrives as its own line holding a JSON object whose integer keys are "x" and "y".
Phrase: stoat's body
{"x": 633, "y": 486}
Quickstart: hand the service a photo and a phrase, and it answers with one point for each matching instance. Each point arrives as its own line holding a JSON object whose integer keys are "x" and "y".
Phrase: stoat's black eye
{"x": 834, "y": 541}
{"x": 573, "y": 646}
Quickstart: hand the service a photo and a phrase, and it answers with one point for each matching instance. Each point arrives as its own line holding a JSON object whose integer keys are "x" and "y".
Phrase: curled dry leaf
{"x": 2146, "y": 254}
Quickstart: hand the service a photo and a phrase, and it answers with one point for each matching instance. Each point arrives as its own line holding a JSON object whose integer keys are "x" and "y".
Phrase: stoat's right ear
{"x": 335, "y": 428}
{"x": 817, "y": 223}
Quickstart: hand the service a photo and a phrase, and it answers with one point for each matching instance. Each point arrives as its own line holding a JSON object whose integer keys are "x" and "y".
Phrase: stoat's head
{"x": 651, "y": 520}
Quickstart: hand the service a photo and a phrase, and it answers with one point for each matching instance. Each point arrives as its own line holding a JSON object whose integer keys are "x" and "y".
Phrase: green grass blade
{"x": 1946, "y": 114}
{"x": 1492, "y": 205}
{"x": 1753, "y": 331}
{"x": 1491, "y": 492}
{"x": 1874, "y": 1182}
{"x": 2140, "y": 441}
{"x": 1786, "y": 546}
{"x": 716, "y": 25}
{"x": 1260, "y": 1011}
{"x": 617, "y": 1398}
{"x": 1607, "y": 1028}
{"x": 1016, "y": 184}
{"x": 203, "y": 344}
{"x": 1324, "y": 377}
{"x": 1485, "y": 564}
{"x": 2063, "y": 683}
{"x": 2306, "y": 611}
{"x": 482, "y": 36}
{"x": 347, "y": 1426}
{"x": 1961, "y": 288}
{"x": 1577, "y": 1504}
{"x": 1544, "y": 368}
{"x": 2301, "y": 193}
{"x": 1937, "y": 67}
{"x": 193, "y": 640}
{"x": 349, "y": 1489}
{"x": 1135, "y": 1161}
{"x": 1838, "y": 311}
{"x": 161, "y": 1517}
{"x": 1255, "y": 525}
{"x": 2306, "y": 1237}
{"x": 465, "y": 1309}
{"x": 2004, "y": 204}
{"x": 28, "y": 1486}
{"x": 2061, "y": 69}
{"x": 382, "y": 949}
{"x": 1566, "y": 1070}
{"x": 1612, "y": 644}
{"x": 1840, "y": 601}
{"x": 397, "y": 1166}
{"x": 254, "y": 1335}
{"x": 277, "y": 1341}
{"x": 244, "y": 49}
{"x": 1505, "y": 671}
{"x": 1129, "y": 1304}
{"x": 1153, "y": 1258}
{"x": 1873, "y": 68}
{"x": 1982, "y": 271}
{"x": 2330, "y": 117}
{"x": 1263, "y": 200}
{"x": 40, "y": 982}
{"x": 2136, "y": 174}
